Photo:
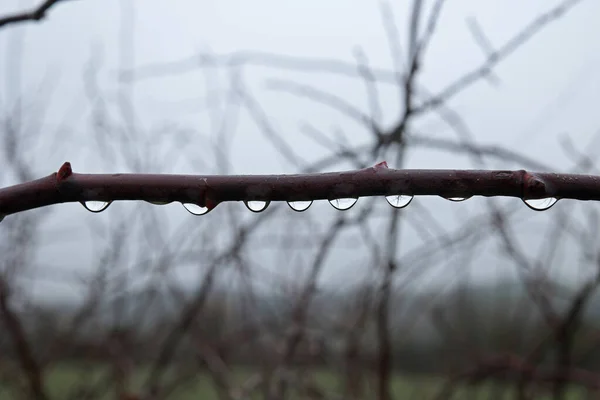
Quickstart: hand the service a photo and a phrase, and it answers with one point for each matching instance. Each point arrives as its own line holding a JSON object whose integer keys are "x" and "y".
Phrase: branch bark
{"x": 210, "y": 190}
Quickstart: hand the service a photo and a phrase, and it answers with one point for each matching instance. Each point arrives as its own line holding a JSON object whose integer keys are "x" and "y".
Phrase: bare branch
{"x": 494, "y": 58}
{"x": 208, "y": 191}
{"x": 483, "y": 42}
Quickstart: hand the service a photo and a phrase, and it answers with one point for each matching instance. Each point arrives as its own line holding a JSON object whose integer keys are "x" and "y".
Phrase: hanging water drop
{"x": 96, "y": 206}
{"x": 457, "y": 199}
{"x": 343, "y": 204}
{"x": 195, "y": 209}
{"x": 299, "y": 205}
{"x": 399, "y": 200}
{"x": 2, "y": 217}
{"x": 159, "y": 203}
{"x": 540, "y": 204}
{"x": 257, "y": 205}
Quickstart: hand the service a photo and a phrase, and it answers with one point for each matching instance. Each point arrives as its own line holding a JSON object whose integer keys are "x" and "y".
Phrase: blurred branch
{"x": 478, "y": 150}
{"x": 406, "y": 86}
{"x": 188, "y": 314}
{"x": 496, "y": 365}
{"x": 495, "y": 57}
{"x": 191, "y": 311}
{"x": 483, "y": 42}
{"x": 261, "y": 119}
{"x": 301, "y": 308}
{"x": 25, "y": 355}
{"x": 565, "y": 335}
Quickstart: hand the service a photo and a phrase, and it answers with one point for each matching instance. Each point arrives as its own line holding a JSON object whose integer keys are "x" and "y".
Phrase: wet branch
{"x": 210, "y": 190}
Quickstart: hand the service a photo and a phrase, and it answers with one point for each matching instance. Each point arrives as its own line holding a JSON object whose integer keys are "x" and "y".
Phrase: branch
{"x": 497, "y": 365}
{"x": 497, "y": 56}
{"x": 207, "y": 191}
{"x": 24, "y": 351}
{"x": 36, "y": 14}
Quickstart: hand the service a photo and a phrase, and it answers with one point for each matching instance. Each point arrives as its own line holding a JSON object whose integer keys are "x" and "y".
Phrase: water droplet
{"x": 457, "y": 199}
{"x": 299, "y": 205}
{"x": 399, "y": 200}
{"x": 541, "y": 204}
{"x": 257, "y": 205}
{"x": 2, "y": 217}
{"x": 96, "y": 206}
{"x": 159, "y": 203}
{"x": 343, "y": 204}
{"x": 195, "y": 208}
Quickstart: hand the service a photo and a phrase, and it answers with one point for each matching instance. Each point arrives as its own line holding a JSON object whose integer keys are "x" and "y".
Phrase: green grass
{"x": 61, "y": 381}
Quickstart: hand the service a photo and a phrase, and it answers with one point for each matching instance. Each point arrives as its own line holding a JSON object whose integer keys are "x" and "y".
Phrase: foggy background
{"x": 214, "y": 88}
{"x": 63, "y": 76}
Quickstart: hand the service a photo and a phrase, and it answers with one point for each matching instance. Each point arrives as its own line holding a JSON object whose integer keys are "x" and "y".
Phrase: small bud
{"x": 64, "y": 172}
{"x": 381, "y": 165}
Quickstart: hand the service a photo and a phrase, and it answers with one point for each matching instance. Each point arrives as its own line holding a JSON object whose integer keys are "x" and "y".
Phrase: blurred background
{"x": 482, "y": 298}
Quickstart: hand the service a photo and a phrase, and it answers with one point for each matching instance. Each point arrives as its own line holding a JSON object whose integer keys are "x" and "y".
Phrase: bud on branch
{"x": 208, "y": 191}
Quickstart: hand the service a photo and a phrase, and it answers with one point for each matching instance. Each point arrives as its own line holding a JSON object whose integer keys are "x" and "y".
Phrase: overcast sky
{"x": 547, "y": 89}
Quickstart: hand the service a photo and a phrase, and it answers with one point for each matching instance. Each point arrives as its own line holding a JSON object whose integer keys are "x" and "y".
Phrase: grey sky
{"x": 549, "y": 88}
{"x": 556, "y": 66}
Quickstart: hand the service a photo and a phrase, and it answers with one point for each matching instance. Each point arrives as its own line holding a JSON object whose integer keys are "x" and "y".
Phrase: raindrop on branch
{"x": 96, "y": 206}
{"x": 399, "y": 200}
{"x": 257, "y": 205}
{"x": 159, "y": 203}
{"x": 299, "y": 205}
{"x": 343, "y": 204}
{"x": 195, "y": 209}
{"x": 457, "y": 199}
{"x": 540, "y": 204}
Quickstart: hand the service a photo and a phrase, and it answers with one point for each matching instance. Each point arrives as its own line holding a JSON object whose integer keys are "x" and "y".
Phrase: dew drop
{"x": 343, "y": 204}
{"x": 457, "y": 199}
{"x": 299, "y": 205}
{"x": 96, "y": 206}
{"x": 195, "y": 209}
{"x": 257, "y": 205}
{"x": 159, "y": 203}
{"x": 399, "y": 200}
{"x": 2, "y": 217}
{"x": 541, "y": 204}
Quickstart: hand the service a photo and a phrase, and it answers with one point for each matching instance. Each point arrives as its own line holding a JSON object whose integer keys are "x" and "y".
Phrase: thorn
{"x": 381, "y": 165}
{"x": 64, "y": 172}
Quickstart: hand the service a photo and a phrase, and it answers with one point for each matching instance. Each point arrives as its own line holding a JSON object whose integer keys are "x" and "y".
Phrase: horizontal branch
{"x": 207, "y": 191}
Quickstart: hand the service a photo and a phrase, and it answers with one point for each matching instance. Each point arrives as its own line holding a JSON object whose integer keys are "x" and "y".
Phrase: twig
{"x": 210, "y": 190}
{"x": 494, "y": 58}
